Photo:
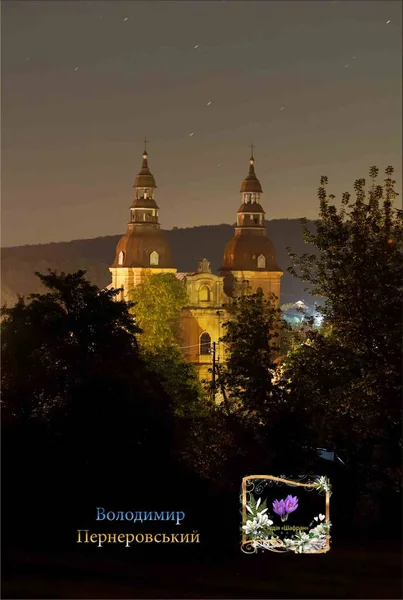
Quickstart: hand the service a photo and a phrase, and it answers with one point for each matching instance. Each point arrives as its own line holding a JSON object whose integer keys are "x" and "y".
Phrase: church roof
{"x": 144, "y": 178}
{"x": 144, "y": 203}
{"x": 250, "y": 207}
{"x": 139, "y": 242}
{"x": 181, "y": 276}
{"x": 242, "y": 251}
{"x": 251, "y": 183}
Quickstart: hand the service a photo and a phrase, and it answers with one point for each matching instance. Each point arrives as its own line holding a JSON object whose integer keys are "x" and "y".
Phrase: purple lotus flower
{"x": 284, "y": 507}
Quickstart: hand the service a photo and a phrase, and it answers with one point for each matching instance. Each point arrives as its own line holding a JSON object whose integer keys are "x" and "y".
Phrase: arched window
{"x": 261, "y": 261}
{"x": 259, "y": 291}
{"x": 204, "y": 294}
{"x": 154, "y": 258}
{"x": 121, "y": 258}
{"x": 205, "y": 343}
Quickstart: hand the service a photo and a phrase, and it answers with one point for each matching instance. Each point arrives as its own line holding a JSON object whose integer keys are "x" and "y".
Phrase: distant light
{"x": 126, "y": 19}
{"x": 318, "y": 319}
{"x": 197, "y": 45}
{"x": 208, "y": 103}
{"x": 387, "y": 22}
{"x": 190, "y": 134}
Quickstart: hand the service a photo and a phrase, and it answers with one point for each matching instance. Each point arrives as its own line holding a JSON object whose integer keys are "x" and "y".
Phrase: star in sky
{"x": 229, "y": 64}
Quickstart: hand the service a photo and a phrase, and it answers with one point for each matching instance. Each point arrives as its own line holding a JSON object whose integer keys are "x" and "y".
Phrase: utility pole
{"x": 214, "y": 370}
{"x": 222, "y": 386}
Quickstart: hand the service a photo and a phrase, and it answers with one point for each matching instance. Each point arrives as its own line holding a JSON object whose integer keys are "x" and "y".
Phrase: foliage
{"x": 158, "y": 302}
{"x": 55, "y": 340}
{"x": 360, "y": 249}
{"x": 179, "y": 379}
{"x": 346, "y": 378}
{"x": 71, "y": 359}
{"x": 255, "y": 507}
{"x": 293, "y": 335}
{"x": 210, "y": 449}
{"x": 251, "y": 336}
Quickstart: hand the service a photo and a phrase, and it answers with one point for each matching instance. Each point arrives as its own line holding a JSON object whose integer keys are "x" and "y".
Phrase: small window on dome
{"x": 261, "y": 261}
{"x": 121, "y": 258}
{"x": 154, "y": 258}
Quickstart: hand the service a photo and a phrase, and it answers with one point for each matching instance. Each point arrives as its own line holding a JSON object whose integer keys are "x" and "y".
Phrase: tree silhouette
{"x": 348, "y": 374}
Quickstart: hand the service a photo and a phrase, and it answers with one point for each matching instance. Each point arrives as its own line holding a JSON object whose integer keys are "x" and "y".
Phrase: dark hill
{"x": 189, "y": 245}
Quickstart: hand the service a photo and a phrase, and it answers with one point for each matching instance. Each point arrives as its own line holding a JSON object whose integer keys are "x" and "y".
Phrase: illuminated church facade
{"x": 249, "y": 256}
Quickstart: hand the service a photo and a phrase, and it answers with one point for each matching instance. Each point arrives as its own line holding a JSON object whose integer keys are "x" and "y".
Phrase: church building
{"x": 249, "y": 256}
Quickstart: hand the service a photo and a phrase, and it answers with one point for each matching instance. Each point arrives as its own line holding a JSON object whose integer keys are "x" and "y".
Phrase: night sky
{"x": 315, "y": 85}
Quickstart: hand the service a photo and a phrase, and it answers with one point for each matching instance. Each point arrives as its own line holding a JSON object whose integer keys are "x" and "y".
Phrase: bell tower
{"x": 144, "y": 248}
{"x": 250, "y": 256}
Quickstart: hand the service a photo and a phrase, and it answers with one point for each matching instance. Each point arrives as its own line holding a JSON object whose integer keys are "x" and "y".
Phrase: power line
{"x": 195, "y": 346}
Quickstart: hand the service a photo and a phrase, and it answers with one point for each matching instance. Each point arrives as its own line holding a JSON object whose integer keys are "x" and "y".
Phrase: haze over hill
{"x": 189, "y": 245}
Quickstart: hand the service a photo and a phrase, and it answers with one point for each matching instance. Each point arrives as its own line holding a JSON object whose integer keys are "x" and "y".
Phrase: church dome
{"x": 250, "y": 253}
{"x": 140, "y": 242}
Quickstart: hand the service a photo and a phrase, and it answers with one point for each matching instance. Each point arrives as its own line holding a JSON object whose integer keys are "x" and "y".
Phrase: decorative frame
{"x": 316, "y": 541}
